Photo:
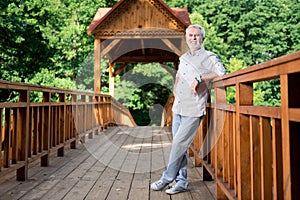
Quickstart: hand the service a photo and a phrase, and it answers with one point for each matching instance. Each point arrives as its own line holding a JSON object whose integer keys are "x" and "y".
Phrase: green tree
{"x": 145, "y": 89}
{"x": 255, "y": 31}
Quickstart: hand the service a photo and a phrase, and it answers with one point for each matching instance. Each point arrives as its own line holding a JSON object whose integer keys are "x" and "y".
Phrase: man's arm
{"x": 205, "y": 77}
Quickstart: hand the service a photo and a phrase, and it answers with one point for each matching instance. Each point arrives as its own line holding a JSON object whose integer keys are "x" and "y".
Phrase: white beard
{"x": 194, "y": 46}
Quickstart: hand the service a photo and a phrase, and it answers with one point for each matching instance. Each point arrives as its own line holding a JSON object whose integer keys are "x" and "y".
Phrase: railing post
{"x": 7, "y": 138}
{"x": 82, "y": 119}
{"x": 97, "y": 114}
{"x": 244, "y": 96}
{"x": 91, "y": 117}
{"x": 62, "y": 124}
{"x": 46, "y": 128}
{"x": 74, "y": 118}
{"x": 289, "y": 85}
{"x": 277, "y": 159}
{"x": 23, "y": 134}
{"x": 219, "y": 135}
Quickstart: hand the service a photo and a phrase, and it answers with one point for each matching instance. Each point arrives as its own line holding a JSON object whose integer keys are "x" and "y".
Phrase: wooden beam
{"x": 109, "y": 47}
{"x": 147, "y": 59}
{"x": 97, "y": 72}
{"x": 172, "y": 46}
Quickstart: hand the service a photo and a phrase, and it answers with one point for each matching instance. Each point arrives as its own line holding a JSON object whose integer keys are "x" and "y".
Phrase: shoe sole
{"x": 171, "y": 193}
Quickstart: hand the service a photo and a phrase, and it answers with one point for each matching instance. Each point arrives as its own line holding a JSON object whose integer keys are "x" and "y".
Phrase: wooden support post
{"x": 97, "y": 63}
{"x": 266, "y": 158}
{"x": 35, "y": 130}
{"x": 225, "y": 143}
{"x": 244, "y": 96}
{"x": 46, "y": 129}
{"x": 7, "y": 138}
{"x": 74, "y": 116}
{"x": 234, "y": 133}
{"x": 101, "y": 112}
{"x": 14, "y": 135}
{"x": 294, "y": 138}
{"x": 97, "y": 114}
{"x": 62, "y": 124}
{"x": 30, "y": 132}
{"x": 285, "y": 137}
{"x": 255, "y": 158}
{"x": 55, "y": 125}
{"x": 23, "y": 134}
{"x": 82, "y": 119}
{"x": 206, "y": 147}
{"x": 197, "y": 143}
{"x": 277, "y": 159}
{"x": 220, "y": 139}
{"x": 230, "y": 129}
{"x": 111, "y": 80}
{"x": 90, "y": 115}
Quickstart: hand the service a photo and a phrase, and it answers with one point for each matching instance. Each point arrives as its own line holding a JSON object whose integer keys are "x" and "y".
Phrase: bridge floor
{"x": 120, "y": 163}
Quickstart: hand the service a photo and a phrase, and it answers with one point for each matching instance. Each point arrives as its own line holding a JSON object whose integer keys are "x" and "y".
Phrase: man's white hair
{"x": 202, "y": 31}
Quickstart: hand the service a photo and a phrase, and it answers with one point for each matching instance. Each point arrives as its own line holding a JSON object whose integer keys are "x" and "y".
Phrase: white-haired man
{"x": 197, "y": 67}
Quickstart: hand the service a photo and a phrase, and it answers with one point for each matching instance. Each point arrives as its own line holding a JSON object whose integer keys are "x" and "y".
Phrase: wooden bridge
{"x": 82, "y": 145}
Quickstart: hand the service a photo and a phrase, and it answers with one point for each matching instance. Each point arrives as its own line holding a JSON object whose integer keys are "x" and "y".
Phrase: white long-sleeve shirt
{"x": 201, "y": 63}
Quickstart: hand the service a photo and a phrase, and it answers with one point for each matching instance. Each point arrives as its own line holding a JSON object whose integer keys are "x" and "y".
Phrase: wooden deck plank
{"x": 73, "y": 171}
{"x": 121, "y": 186}
{"x": 79, "y": 186}
{"x": 103, "y": 186}
{"x": 141, "y": 178}
{"x": 158, "y": 163}
{"x": 19, "y": 189}
{"x": 119, "y": 163}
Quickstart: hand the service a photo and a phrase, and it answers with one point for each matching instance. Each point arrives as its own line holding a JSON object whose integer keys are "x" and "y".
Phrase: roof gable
{"x": 129, "y": 15}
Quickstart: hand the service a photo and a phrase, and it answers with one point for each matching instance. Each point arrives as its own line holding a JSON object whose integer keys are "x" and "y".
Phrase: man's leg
{"x": 178, "y": 158}
{"x": 159, "y": 185}
{"x": 182, "y": 174}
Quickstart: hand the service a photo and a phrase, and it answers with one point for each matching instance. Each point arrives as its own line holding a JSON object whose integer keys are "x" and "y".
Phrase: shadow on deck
{"x": 119, "y": 163}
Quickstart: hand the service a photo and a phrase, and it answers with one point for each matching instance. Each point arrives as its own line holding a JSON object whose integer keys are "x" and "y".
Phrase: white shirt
{"x": 202, "y": 62}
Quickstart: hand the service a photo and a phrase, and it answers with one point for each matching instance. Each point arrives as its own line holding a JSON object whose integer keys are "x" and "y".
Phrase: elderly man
{"x": 196, "y": 68}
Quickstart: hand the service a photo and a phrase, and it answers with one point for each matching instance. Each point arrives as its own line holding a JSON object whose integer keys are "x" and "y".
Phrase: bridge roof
{"x": 140, "y": 31}
{"x": 179, "y": 14}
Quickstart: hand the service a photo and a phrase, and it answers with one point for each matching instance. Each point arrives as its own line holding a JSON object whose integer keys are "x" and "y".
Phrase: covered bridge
{"x": 254, "y": 157}
{"x": 136, "y": 31}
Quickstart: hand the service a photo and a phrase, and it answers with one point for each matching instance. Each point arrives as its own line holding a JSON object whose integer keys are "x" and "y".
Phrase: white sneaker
{"x": 158, "y": 185}
{"x": 175, "y": 189}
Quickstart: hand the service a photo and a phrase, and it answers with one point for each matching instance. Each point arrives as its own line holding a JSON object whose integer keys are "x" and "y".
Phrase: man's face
{"x": 193, "y": 39}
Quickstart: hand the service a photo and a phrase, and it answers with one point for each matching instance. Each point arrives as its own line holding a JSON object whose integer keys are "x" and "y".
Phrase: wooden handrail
{"x": 34, "y": 130}
{"x": 250, "y": 151}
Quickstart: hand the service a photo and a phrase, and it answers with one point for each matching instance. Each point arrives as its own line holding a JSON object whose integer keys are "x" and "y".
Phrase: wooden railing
{"x": 31, "y": 131}
{"x": 252, "y": 151}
